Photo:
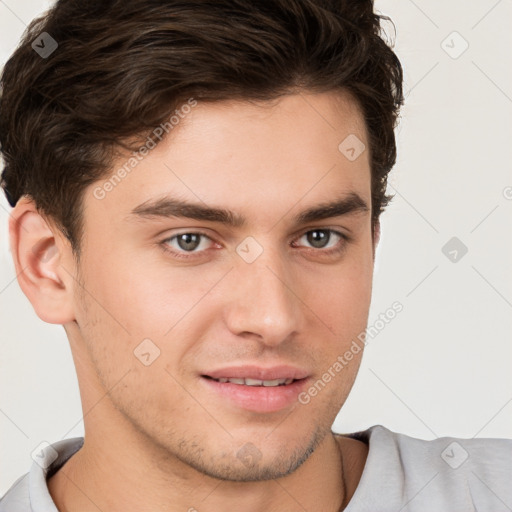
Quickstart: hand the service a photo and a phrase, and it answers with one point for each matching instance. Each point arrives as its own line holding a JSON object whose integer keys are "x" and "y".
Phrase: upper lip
{"x": 258, "y": 372}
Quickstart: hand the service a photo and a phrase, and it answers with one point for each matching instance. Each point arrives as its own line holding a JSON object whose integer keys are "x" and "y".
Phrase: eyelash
{"x": 326, "y": 252}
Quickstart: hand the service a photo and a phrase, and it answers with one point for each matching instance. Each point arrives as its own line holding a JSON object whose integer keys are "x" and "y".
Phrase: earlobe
{"x": 38, "y": 253}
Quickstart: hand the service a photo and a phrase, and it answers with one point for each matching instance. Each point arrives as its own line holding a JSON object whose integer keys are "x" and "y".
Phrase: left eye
{"x": 319, "y": 238}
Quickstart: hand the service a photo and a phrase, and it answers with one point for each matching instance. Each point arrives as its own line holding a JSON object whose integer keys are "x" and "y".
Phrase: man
{"x": 197, "y": 189}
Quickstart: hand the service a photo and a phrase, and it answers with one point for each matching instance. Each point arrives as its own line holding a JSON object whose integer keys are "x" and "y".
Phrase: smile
{"x": 253, "y": 382}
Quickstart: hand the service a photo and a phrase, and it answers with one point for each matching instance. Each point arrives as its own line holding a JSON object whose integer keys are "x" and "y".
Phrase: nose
{"x": 265, "y": 299}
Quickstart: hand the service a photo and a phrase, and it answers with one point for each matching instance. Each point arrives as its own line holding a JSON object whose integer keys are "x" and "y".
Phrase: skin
{"x": 155, "y": 437}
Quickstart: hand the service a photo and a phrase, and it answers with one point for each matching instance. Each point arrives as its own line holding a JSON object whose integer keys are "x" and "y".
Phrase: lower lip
{"x": 258, "y": 398}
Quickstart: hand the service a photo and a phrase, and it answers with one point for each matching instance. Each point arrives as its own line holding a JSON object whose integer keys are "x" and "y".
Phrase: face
{"x": 176, "y": 298}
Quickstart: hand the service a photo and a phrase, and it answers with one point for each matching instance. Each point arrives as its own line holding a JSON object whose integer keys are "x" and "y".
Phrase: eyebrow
{"x": 167, "y": 206}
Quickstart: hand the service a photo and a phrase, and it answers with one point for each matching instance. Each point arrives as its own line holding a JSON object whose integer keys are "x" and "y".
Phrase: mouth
{"x": 260, "y": 390}
{"x": 253, "y": 382}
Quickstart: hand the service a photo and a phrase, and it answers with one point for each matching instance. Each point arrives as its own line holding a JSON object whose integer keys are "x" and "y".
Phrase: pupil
{"x": 318, "y": 238}
{"x": 188, "y": 241}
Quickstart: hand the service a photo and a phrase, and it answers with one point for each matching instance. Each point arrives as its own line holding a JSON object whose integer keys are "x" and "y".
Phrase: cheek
{"x": 134, "y": 298}
{"x": 340, "y": 295}
{"x": 140, "y": 296}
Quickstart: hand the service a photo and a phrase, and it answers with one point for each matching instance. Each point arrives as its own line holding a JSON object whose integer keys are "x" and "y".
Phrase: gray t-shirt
{"x": 401, "y": 473}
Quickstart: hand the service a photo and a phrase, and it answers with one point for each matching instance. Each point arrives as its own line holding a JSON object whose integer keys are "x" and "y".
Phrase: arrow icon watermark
{"x": 44, "y": 45}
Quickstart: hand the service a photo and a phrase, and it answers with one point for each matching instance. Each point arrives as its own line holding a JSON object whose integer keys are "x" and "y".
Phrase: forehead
{"x": 264, "y": 156}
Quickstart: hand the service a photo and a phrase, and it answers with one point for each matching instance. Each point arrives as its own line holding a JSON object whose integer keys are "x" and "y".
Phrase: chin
{"x": 248, "y": 463}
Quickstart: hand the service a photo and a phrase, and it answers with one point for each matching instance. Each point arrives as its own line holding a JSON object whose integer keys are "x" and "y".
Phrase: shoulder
{"x": 16, "y": 499}
{"x": 29, "y": 493}
{"x": 446, "y": 473}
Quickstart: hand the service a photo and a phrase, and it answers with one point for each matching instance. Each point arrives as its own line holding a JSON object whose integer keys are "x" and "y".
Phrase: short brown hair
{"x": 122, "y": 66}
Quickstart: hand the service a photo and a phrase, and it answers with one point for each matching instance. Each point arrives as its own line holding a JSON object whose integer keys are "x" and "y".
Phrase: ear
{"x": 39, "y": 251}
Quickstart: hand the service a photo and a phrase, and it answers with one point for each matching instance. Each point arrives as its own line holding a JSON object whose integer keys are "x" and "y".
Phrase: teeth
{"x": 256, "y": 382}
{"x": 253, "y": 382}
{"x": 277, "y": 382}
{"x": 235, "y": 381}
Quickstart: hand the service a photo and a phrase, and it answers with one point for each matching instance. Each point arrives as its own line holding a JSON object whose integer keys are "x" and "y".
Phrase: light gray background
{"x": 442, "y": 366}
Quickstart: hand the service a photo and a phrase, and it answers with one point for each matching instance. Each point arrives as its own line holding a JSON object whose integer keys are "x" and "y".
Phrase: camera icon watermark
{"x": 146, "y": 352}
{"x": 352, "y": 147}
{"x": 454, "y": 249}
{"x": 249, "y": 455}
{"x": 249, "y": 249}
{"x": 44, "y": 45}
{"x": 454, "y": 455}
{"x": 454, "y": 45}
{"x": 44, "y": 455}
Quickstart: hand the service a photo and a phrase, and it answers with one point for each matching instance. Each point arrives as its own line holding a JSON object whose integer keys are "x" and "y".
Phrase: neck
{"x": 119, "y": 468}
{"x": 107, "y": 475}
